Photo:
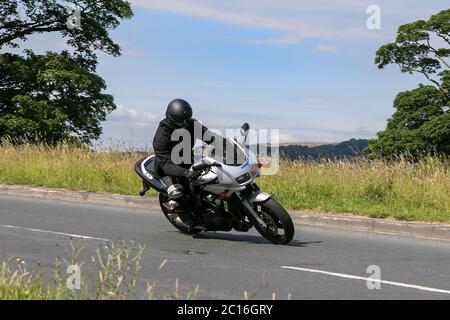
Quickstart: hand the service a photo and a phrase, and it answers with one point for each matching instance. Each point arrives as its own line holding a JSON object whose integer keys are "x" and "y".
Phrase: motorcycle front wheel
{"x": 279, "y": 226}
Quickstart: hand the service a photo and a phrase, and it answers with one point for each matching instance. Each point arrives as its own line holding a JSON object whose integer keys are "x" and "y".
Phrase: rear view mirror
{"x": 244, "y": 129}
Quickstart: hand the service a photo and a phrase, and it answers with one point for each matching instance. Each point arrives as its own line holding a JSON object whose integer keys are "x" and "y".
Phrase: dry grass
{"x": 114, "y": 276}
{"x": 401, "y": 189}
{"x": 71, "y": 167}
{"x": 116, "y": 268}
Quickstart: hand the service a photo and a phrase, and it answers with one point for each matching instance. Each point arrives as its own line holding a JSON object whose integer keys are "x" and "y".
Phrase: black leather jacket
{"x": 162, "y": 146}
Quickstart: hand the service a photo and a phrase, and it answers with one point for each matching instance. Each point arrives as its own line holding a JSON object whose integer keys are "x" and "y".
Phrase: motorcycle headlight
{"x": 244, "y": 178}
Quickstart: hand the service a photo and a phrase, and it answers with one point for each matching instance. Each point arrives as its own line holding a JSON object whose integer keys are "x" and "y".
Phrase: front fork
{"x": 254, "y": 198}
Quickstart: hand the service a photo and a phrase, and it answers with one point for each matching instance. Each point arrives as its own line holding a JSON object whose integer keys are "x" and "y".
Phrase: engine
{"x": 214, "y": 214}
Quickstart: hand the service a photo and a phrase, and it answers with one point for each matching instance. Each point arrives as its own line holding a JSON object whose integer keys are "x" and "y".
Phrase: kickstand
{"x": 145, "y": 188}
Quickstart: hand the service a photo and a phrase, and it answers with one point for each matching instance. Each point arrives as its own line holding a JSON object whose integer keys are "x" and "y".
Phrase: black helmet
{"x": 179, "y": 113}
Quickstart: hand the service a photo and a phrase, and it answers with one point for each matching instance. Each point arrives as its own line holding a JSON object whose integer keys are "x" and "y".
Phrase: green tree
{"x": 420, "y": 123}
{"x": 21, "y": 18}
{"x": 50, "y": 98}
{"x": 56, "y": 96}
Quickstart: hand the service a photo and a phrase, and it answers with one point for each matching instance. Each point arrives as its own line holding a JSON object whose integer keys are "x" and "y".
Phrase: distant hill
{"x": 348, "y": 149}
{"x": 305, "y": 143}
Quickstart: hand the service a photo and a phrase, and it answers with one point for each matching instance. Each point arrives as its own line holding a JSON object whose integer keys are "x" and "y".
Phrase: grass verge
{"x": 113, "y": 276}
{"x": 403, "y": 190}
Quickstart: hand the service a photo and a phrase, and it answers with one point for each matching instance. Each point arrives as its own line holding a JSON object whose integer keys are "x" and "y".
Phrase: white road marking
{"x": 349, "y": 276}
{"x": 52, "y": 232}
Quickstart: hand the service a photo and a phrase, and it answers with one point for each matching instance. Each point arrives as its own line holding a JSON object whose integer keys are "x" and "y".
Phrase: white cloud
{"x": 131, "y": 115}
{"x": 297, "y": 19}
{"x": 325, "y": 48}
{"x": 135, "y": 127}
{"x": 294, "y": 19}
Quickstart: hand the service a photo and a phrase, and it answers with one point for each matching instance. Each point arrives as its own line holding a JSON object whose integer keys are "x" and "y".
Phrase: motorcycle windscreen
{"x": 228, "y": 152}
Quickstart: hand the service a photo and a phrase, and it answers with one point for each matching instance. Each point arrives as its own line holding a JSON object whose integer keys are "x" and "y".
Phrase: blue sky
{"x": 305, "y": 67}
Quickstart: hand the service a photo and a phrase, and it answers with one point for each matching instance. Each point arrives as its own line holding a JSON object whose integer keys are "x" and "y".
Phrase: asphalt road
{"x": 318, "y": 264}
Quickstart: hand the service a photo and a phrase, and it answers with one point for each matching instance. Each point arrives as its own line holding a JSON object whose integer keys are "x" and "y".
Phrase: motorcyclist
{"x": 172, "y": 172}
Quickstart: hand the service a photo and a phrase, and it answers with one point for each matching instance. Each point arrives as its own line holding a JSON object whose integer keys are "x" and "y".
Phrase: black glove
{"x": 192, "y": 175}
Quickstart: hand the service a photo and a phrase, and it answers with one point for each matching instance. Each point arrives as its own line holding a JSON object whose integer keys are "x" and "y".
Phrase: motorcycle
{"x": 224, "y": 196}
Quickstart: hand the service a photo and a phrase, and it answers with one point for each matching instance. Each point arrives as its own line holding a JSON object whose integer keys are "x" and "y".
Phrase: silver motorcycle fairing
{"x": 226, "y": 174}
{"x": 226, "y": 178}
{"x": 223, "y": 178}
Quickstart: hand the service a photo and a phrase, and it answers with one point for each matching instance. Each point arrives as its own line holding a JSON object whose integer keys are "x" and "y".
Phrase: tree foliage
{"x": 51, "y": 97}
{"x": 21, "y": 18}
{"x": 56, "y": 96}
{"x": 420, "y": 123}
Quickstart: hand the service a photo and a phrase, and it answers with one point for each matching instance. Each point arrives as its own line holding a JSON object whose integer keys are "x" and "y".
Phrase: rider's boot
{"x": 182, "y": 217}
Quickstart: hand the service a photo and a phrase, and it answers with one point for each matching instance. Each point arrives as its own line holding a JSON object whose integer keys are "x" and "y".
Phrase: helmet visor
{"x": 180, "y": 122}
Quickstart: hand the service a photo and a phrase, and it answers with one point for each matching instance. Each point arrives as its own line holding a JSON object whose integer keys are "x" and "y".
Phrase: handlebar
{"x": 204, "y": 166}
